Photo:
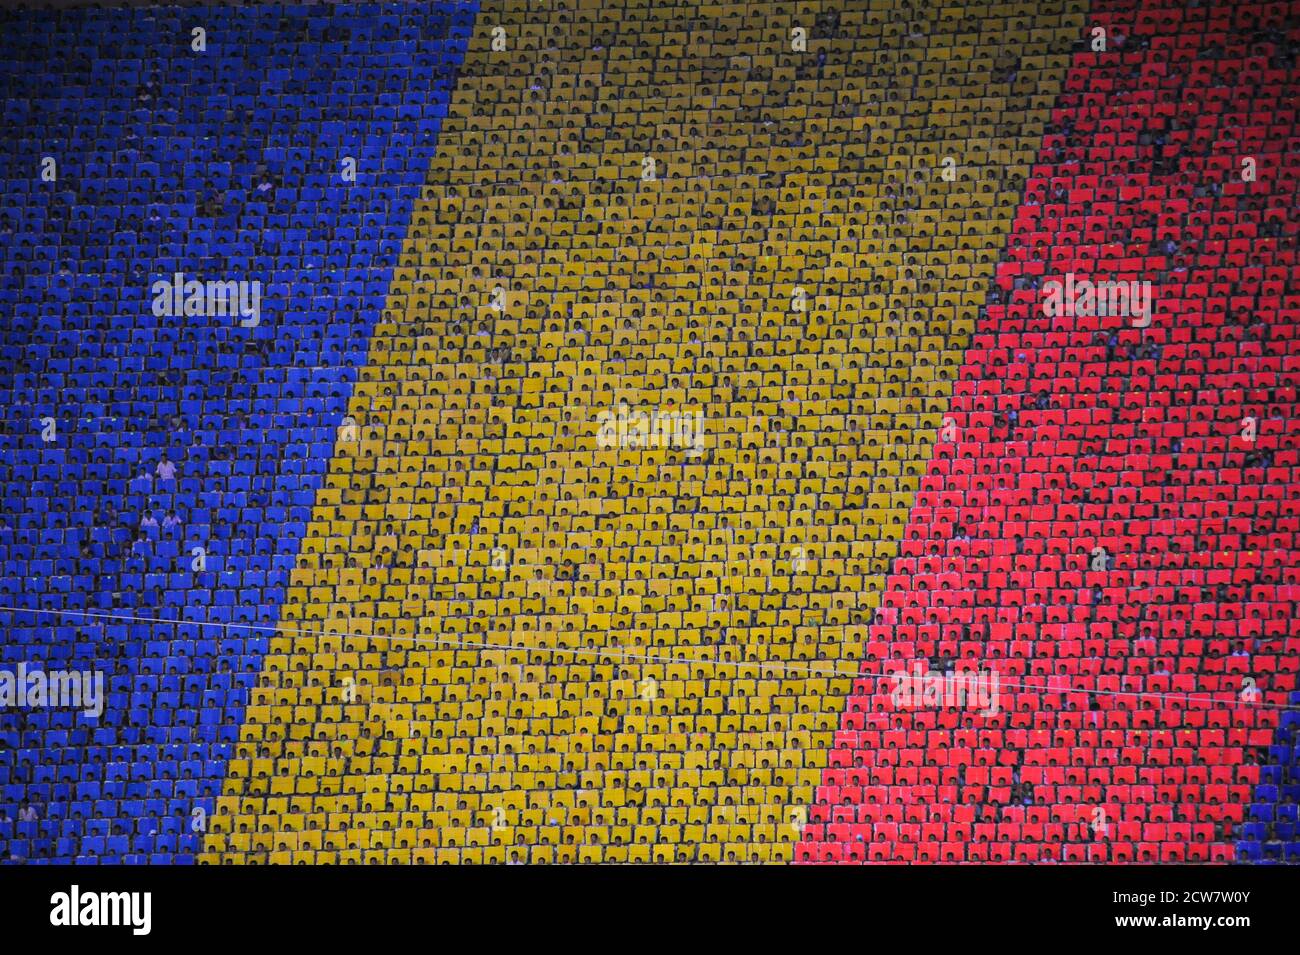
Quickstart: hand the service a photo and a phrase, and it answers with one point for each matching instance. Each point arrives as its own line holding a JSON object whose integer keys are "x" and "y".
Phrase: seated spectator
{"x": 142, "y": 481}
{"x": 141, "y": 547}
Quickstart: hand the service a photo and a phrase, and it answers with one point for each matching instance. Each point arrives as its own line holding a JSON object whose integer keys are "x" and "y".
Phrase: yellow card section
{"x": 675, "y": 324}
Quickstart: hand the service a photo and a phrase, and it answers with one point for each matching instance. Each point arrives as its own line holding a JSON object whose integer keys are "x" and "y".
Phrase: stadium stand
{"x": 161, "y": 153}
{"x": 1086, "y": 433}
{"x": 677, "y": 292}
{"x": 667, "y": 377}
